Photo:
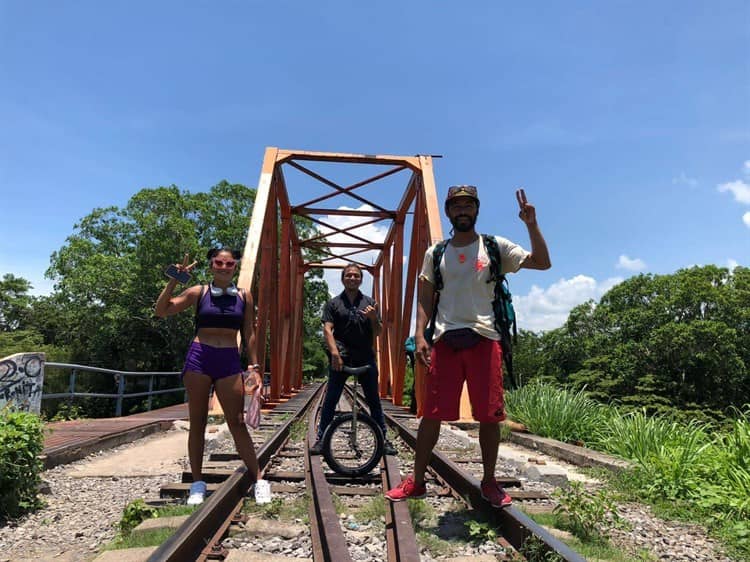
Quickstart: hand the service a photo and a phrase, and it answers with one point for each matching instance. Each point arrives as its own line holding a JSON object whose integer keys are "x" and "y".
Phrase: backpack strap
{"x": 493, "y": 252}
{"x": 437, "y": 256}
{"x": 502, "y": 306}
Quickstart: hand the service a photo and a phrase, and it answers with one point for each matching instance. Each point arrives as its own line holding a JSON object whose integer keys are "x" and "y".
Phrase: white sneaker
{"x": 197, "y": 493}
{"x": 262, "y": 492}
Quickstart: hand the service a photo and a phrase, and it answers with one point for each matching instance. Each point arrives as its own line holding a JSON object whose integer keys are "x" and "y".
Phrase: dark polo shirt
{"x": 352, "y": 330}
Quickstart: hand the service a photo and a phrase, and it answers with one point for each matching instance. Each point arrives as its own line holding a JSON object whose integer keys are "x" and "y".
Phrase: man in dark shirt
{"x": 350, "y": 324}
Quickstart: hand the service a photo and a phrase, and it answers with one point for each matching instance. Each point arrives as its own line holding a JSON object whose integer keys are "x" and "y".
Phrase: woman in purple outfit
{"x": 222, "y": 310}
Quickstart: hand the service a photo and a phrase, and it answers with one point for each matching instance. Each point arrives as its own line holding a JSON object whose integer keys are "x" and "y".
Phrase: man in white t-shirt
{"x": 466, "y": 344}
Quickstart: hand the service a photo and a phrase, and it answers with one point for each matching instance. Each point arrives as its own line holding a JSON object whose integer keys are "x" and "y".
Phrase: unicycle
{"x": 353, "y": 443}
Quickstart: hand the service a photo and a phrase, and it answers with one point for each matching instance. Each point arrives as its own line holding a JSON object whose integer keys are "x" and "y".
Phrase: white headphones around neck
{"x": 232, "y": 291}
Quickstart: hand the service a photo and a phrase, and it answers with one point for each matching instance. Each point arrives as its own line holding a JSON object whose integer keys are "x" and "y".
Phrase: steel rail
{"x": 213, "y": 549}
{"x": 400, "y": 536}
{"x": 401, "y": 540}
{"x": 328, "y": 540}
{"x": 516, "y": 527}
{"x": 190, "y": 539}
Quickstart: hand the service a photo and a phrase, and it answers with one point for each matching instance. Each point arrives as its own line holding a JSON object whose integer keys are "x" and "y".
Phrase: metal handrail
{"x": 119, "y": 378}
{"x": 111, "y": 371}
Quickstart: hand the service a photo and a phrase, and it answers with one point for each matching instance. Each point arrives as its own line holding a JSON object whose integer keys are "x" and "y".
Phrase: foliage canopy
{"x": 675, "y": 344}
{"x": 110, "y": 271}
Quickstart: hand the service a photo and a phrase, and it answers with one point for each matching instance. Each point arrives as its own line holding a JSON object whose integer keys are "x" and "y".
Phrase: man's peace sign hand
{"x": 527, "y": 213}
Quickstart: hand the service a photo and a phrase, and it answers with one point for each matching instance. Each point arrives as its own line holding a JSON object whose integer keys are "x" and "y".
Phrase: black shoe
{"x": 317, "y": 448}
{"x": 389, "y": 449}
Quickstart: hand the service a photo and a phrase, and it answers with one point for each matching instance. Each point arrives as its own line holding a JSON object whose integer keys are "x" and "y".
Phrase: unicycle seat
{"x": 355, "y": 370}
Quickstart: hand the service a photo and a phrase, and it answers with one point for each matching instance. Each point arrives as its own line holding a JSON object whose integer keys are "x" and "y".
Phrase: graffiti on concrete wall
{"x": 21, "y": 380}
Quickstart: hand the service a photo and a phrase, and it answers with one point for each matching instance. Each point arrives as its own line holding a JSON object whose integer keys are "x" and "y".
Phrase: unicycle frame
{"x": 355, "y": 415}
{"x": 355, "y": 407}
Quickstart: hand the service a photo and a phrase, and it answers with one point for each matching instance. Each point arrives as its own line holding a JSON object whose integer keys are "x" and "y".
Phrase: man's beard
{"x": 461, "y": 225}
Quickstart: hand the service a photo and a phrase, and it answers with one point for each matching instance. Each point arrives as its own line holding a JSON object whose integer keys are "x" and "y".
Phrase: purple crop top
{"x": 226, "y": 311}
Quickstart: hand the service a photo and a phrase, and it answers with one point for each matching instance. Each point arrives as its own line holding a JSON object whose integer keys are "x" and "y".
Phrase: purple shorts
{"x": 216, "y": 362}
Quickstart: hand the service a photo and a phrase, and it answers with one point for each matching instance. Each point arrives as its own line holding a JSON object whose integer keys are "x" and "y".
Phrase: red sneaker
{"x": 407, "y": 490}
{"x": 495, "y": 494}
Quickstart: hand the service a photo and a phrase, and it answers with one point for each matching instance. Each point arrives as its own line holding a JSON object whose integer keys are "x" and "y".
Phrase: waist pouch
{"x": 463, "y": 338}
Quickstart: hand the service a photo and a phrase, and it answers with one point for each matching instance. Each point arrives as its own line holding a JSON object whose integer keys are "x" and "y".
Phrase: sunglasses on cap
{"x": 462, "y": 191}
{"x": 222, "y": 263}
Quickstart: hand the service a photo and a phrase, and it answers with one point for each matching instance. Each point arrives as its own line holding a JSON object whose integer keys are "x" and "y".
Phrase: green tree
{"x": 528, "y": 357}
{"x": 15, "y": 302}
{"x": 23, "y": 341}
{"x": 49, "y": 318}
{"x": 19, "y": 332}
{"x": 315, "y": 361}
{"x": 110, "y": 272}
{"x": 677, "y": 344}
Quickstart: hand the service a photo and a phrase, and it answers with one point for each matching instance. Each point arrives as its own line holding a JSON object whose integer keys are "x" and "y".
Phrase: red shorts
{"x": 480, "y": 366}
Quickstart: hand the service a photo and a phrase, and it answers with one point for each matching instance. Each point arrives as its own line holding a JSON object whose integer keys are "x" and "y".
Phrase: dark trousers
{"x": 336, "y": 380}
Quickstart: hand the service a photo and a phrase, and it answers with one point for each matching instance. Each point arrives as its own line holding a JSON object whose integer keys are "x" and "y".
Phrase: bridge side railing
{"x": 120, "y": 377}
{"x": 22, "y": 383}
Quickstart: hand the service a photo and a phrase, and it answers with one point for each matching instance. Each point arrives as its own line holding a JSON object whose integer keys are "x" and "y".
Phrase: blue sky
{"x": 628, "y": 123}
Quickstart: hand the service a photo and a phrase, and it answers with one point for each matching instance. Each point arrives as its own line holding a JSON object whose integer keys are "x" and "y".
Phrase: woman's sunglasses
{"x": 222, "y": 263}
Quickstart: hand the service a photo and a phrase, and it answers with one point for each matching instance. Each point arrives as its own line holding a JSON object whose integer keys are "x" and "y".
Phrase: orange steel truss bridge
{"x": 355, "y": 221}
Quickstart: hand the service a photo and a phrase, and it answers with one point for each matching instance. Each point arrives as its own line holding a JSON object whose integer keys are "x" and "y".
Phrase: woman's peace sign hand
{"x": 185, "y": 266}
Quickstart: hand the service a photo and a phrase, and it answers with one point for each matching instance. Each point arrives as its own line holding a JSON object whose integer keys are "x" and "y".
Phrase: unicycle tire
{"x": 339, "y": 453}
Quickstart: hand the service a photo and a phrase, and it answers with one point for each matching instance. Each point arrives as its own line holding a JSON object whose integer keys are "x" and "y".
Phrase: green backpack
{"x": 502, "y": 302}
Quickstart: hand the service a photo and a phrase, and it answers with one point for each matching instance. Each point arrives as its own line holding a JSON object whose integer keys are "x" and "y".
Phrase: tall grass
{"x": 555, "y": 412}
{"x": 675, "y": 471}
{"x": 705, "y": 471}
{"x": 732, "y": 465}
{"x": 669, "y": 453}
{"x": 737, "y": 441}
{"x": 635, "y": 436}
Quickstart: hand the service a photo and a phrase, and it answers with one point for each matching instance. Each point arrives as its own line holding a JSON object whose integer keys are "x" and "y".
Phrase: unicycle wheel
{"x": 346, "y": 457}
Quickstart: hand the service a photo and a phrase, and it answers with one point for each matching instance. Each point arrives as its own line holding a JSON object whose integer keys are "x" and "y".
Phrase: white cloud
{"x": 739, "y": 189}
{"x": 546, "y": 309}
{"x": 731, "y": 264}
{"x": 629, "y": 264}
{"x": 373, "y": 232}
{"x": 683, "y": 179}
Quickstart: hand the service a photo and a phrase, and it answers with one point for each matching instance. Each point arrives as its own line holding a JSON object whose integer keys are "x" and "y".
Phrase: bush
{"x": 134, "y": 514}
{"x": 590, "y": 516}
{"x": 21, "y": 443}
{"x": 66, "y": 412}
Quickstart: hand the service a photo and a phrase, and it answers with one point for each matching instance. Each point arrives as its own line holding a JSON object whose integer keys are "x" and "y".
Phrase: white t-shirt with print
{"x": 466, "y": 298}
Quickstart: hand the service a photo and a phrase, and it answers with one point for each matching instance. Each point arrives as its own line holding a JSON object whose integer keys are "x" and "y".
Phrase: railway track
{"x": 454, "y": 492}
{"x": 199, "y": 537}
{"x": 329, "y": 540}
{"x": 516, "y": 528}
